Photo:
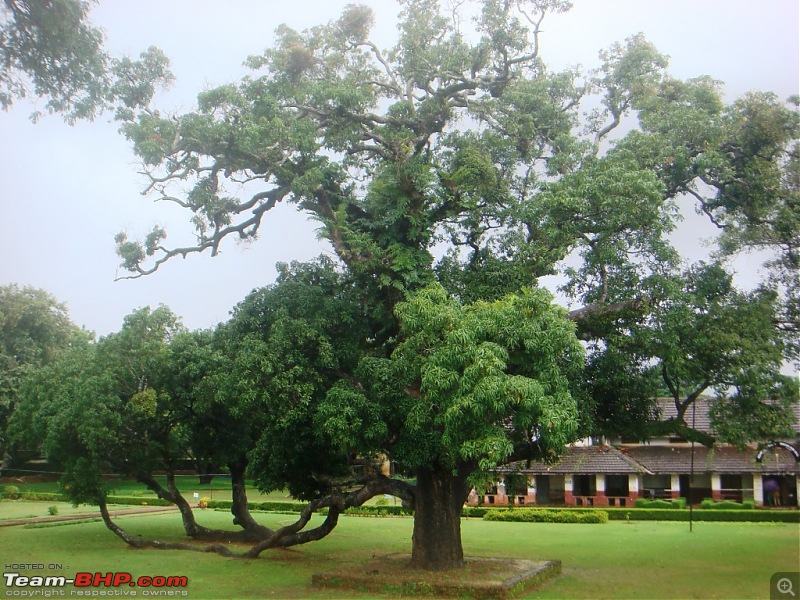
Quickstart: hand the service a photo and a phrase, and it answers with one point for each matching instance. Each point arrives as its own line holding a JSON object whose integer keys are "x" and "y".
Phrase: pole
{"x": 691, "y": 470}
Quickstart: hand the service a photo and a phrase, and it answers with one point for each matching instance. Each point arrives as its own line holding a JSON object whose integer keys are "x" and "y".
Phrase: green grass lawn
{"x": 615, "y": 560}
{"x": 18, "y": 509}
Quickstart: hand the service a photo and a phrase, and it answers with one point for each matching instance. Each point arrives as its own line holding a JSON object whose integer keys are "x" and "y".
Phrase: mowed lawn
{"x": 614, "y": 560}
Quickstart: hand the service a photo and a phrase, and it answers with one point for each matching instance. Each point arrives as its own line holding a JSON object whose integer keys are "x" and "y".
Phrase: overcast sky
{"x": 65, "y": 191}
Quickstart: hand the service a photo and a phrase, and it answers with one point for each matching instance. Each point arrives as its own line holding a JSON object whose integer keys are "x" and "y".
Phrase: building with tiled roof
{"x": 617, "y": 472}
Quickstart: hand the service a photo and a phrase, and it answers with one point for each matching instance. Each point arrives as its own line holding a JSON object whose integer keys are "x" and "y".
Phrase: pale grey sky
{"x": 65, "y": 191}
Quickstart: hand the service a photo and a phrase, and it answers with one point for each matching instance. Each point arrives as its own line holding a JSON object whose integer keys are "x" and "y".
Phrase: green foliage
{"x": 727, "y": 504}
{"x": 544, "y": 515}
{"x": 731, "y": 515}
{"x": 120, "y": 380}
{"x": 703, "y": 336}
{"x": 34, "y": 330}
{"x": 10, "y": 492}
{"x": 667, "y": 504}
{"x": 379, "y": 511}
{"x": 466, "y": 376}
{"x": 27, "y": 495}
{"x": 52, "y": 510}
{"x": 137, "y": 501}
{"x": 51, "y": 50}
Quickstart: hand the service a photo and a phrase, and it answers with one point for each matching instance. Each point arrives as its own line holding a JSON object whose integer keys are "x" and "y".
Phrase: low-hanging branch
{"x": 288, "y": 535}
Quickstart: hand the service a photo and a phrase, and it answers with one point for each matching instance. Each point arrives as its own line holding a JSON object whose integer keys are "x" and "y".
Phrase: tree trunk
{"x": 173, "y": 495}
{"x": 241, "y": 513}
{"x": 439, "y": 498}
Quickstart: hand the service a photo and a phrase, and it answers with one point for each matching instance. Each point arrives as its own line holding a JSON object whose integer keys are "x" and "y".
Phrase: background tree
{"x": 701, "y": 337}
{"x": 49, "y": 49}
{"x": 34, "y": 330}
{"x": 104, "y": 408}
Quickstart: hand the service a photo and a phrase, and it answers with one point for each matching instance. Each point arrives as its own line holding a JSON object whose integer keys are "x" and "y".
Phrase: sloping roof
{"x": 583, "y": 460}
{"x": 698, "y": 410}
{"x": 720, "y": 459}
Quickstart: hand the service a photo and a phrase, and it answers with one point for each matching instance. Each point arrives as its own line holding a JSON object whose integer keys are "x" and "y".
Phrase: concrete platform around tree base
{"x": 480, "y": 577}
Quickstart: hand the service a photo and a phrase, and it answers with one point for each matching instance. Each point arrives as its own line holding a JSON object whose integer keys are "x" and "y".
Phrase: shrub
{"x": 475, "y": 511}
{"x": 52, "y": 510}
{"x": 379, "y": 511}
{"x": 11, "y": 492}
{"x": 660, "y": 514}
{"x": 728, "y": 504}
{"x": 137, "y": 501}
{"x": 544, "y": 515}
{"x": 645, "y": 503}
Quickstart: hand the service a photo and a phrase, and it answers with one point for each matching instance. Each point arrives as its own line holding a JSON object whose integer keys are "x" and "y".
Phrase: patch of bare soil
{"x": 480, "y": 577}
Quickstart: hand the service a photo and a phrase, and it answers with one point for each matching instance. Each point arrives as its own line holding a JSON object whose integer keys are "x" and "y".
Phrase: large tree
{"x": 457, "y": 143}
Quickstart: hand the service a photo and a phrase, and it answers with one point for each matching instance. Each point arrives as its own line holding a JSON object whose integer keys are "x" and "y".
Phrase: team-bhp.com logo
{"x": 94, "y": 584}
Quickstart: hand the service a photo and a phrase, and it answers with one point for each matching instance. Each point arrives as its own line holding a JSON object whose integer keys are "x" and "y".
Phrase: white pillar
{"x": 797, "y": 491}
{"x": 716, "y": 486}
{"x": 675, "y": 485}
{"x": 600, "y": 483}
{"x": 758, "y": 489}
{"x": 568, "y": 483}
{"x": 633, "y": 484}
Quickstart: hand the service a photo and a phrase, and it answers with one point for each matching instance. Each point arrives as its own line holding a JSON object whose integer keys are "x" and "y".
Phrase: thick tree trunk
{"x": 205, "y": 471}
{"x": 439, "y": 498}
{"x": 172, "y": 494}
{"x": 241, "y": 513}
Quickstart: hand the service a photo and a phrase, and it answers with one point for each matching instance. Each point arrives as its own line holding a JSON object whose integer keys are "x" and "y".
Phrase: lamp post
{"x": 691, "y": 469}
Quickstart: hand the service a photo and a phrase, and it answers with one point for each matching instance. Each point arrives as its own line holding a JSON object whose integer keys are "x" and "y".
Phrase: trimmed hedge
{"x": 546, "y": 515}
{"x": 138, "y": 501}
{"x": 661, "y": 514}
{"x": 672, "y": 504}
{"x": 728, "y": 504}
{"x": 719, "y": 512}
{"x": 290, "y": 507}
{"x": 379, "y": 511}
{"x": 43, "y": 496}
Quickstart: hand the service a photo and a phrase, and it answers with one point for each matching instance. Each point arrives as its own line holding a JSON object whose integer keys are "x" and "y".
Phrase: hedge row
{"x": 546, "y": 515}
{"x": 720, "y": 511}
{"x": 137, "y": 501}
{"x": 645, "y": 503}
{"x": 728, "y": 504}
{"x": 291, "y": 507}
{"x": 738, "y": 515}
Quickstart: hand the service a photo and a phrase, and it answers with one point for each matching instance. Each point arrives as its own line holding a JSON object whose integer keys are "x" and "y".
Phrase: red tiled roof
{"x": 583, "y": 460}
{"x": 719, "y": 459}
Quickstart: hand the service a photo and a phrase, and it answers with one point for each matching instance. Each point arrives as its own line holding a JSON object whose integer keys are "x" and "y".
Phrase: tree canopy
{"x": 454, "y": 169}
{"x": 34, "y": 330}
{"x": 50, "y": 49}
